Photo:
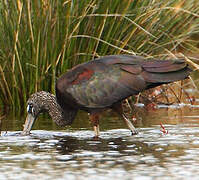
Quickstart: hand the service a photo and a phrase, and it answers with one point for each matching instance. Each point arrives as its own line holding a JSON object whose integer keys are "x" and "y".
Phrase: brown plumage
{"x": 101, "y": 84}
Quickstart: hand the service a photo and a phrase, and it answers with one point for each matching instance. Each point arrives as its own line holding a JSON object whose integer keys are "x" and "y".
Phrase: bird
{"x": 101, "y": 84}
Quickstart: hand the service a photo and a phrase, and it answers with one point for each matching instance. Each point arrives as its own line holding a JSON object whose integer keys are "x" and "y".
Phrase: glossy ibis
{"x": 100, "y": 84}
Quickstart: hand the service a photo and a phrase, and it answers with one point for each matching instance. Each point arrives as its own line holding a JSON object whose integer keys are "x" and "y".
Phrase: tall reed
{"x": 41, "y": 39}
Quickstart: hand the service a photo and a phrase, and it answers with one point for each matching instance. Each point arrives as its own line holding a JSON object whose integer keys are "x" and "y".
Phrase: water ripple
{"x": 116, "y": 154}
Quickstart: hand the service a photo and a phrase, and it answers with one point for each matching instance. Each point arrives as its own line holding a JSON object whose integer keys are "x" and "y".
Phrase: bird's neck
{"x": 62, "y": 116}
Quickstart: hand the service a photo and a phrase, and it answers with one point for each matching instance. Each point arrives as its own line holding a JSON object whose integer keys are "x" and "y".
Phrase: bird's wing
{"x": 103, "y": 82}
{"x": 105, "y": 87}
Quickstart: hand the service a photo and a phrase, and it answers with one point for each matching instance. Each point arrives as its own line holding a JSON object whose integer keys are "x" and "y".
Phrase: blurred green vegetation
{"x": 41, "y": 39}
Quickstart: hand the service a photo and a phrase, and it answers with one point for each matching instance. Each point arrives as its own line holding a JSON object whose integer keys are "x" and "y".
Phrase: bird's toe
{"x": 134, "y": 132}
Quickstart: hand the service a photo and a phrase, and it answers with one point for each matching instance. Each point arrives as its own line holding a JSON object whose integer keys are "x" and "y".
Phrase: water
{"x": 72, "y": 153}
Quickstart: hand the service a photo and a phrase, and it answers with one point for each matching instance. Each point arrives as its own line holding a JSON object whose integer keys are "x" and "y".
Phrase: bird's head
{"x": 35, "y": 105}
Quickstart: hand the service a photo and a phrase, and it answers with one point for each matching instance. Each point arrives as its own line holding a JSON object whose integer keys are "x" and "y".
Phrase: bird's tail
{"x": 163, "y": 72}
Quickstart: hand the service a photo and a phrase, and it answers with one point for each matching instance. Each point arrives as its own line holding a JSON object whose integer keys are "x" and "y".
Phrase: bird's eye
{"x": 30, "y": 108}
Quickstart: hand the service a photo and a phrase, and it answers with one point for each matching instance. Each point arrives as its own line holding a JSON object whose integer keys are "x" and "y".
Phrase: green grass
{"x": 42, "y": 39}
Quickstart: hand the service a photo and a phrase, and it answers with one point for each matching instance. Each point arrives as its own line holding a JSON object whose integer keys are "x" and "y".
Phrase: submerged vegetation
{"x": 41, "y": 39}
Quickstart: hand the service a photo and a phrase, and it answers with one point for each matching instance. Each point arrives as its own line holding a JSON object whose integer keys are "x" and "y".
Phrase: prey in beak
{"x": 29, "y": 120}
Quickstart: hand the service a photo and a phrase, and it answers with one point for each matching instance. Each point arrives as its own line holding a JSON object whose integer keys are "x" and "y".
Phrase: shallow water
{"x": 72, "y": 153}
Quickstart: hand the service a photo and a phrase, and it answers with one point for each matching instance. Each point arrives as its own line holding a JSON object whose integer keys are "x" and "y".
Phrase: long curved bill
{"x": 28, "y": 124}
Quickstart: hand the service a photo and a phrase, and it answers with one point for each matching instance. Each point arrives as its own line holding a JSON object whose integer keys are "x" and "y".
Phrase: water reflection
{"x": 115, "y": 154}
{"x": 72, "y": 153}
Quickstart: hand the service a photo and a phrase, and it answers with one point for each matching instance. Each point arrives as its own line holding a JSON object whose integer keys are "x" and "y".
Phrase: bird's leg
{"x": 118, "y": 108}
{"x": 94, "y": 118}
{"x": 130, "y": 125}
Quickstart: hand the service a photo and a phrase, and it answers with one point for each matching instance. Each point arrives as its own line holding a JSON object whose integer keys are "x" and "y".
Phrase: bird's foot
{"x": 135, "y": 132}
